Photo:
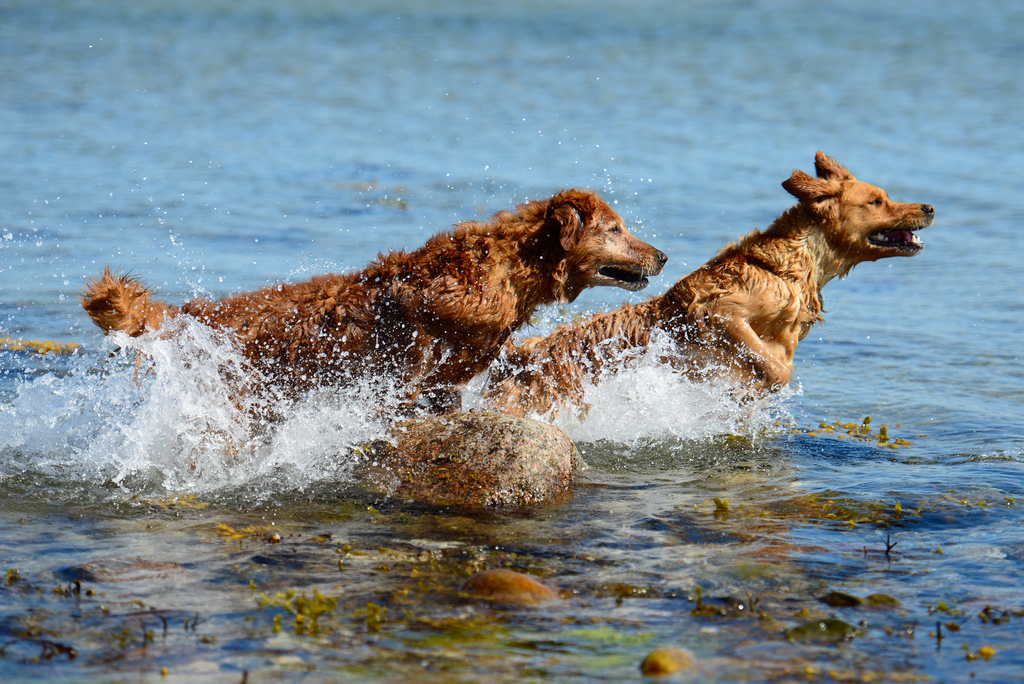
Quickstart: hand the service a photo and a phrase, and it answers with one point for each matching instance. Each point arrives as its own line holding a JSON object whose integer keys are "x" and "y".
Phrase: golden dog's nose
{"x": 928, "y": 209}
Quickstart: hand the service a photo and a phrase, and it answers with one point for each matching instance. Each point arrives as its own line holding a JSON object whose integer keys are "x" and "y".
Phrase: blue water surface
{"x": 214, "y": 147}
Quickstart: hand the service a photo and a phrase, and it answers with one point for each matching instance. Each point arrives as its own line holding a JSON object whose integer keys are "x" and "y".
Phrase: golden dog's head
{"x": 858, "y": 221}
{"x": 599, "y": 250}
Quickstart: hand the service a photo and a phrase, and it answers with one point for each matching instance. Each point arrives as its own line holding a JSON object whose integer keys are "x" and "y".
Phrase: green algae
{"x": 306, "y": 611}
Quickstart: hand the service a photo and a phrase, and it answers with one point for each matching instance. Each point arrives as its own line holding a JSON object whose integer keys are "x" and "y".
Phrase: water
{"x": 217, "y": 147}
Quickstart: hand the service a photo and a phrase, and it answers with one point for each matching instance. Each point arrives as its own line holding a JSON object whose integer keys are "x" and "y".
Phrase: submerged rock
{"x": 476, "y": 459}
{"x": 125, "y": 570}
{"x": 882, "y": 601}
{"x": 838, "y": 599}
{"x": 828, "y": 630}
{"x": 665, "y": 661}
{"x": 507, "y": 586}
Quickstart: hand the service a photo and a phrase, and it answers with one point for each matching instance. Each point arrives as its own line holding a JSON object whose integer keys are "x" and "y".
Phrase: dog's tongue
{"x": 901, "y": 236}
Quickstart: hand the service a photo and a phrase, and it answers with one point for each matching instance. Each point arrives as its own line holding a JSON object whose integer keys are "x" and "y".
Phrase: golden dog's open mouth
{"x": 899, "y": 239}
{"x": 628, "y": 279}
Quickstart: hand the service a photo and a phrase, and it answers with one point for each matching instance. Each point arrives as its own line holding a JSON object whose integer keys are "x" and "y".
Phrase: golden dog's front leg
{"x": 736, "y": 344}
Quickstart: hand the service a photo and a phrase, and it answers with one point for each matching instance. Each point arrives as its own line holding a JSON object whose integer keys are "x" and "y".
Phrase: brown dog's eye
{"x": 875, "y": 202}
{"x": 616, "y": 230}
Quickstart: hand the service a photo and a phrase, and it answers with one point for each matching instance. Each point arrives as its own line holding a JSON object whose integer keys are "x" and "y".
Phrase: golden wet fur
{"x": 745, "y": 311}
{"x": 431, "y": 319}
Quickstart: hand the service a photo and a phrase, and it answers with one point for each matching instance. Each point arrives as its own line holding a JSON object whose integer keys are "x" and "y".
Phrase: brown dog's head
{"x": 599, "y": 251}
{"x": 858, "y": 221}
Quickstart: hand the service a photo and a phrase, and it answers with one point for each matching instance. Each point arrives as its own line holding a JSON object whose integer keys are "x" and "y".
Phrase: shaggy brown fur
{"x": 432, "y": 318}
{"x": 745, "y": 310}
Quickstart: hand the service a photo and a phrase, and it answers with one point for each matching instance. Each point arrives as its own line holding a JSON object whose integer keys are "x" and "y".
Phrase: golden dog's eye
{"x": 875, "y": 202}
{"x": 616, "y": 230}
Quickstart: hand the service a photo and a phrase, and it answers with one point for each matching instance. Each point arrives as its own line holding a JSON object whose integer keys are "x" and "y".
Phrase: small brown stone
{"x": 665, "y": 661}
{"x": 476, "y": 459}
{"x": 507, "y": 586}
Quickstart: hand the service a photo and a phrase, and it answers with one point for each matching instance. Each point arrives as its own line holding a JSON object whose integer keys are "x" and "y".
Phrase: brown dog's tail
{"x": 122, "y": 302}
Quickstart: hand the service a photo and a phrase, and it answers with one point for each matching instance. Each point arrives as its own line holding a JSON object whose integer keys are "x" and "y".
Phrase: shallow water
{"x": 217, "y": 147}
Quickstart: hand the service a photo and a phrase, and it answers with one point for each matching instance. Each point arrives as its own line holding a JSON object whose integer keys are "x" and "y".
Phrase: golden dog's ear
{"x": 818, "y": 194}
{"x": 829, "y": 169}
{"x": 571, "y": 223}
{"x": 808, "y": 189}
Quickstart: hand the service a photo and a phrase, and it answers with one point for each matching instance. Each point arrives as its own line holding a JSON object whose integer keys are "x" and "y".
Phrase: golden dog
{"x": 745, "y": 310}
{"x": 431, "y": 319}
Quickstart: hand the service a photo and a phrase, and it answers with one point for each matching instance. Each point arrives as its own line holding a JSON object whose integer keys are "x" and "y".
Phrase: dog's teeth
{"x": 905, "y": 237}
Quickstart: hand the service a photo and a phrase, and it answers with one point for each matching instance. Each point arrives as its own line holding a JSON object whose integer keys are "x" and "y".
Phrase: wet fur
{"x": 432, "y": 318}
{"x": 745, "y": 310}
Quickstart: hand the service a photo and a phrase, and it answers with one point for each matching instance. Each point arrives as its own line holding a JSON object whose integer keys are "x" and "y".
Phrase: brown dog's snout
{"x": 655, "y": 267}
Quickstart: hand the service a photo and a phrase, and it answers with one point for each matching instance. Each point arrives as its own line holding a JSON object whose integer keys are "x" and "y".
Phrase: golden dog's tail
{"x": 122, "y": 302}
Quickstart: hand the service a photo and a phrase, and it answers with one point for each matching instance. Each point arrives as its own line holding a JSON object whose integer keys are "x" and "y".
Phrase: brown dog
{"x": 745, "y": 310}
{"x": 431, "y": 319}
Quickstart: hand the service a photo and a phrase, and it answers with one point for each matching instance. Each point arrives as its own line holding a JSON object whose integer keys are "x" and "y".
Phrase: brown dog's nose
{"x": 928, "y": 209}
{"x": 661, "y": 257}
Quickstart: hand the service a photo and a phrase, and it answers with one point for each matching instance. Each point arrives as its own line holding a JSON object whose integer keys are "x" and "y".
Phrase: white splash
{"x": 647, "y": 399}
{"x": 181, "y": 421}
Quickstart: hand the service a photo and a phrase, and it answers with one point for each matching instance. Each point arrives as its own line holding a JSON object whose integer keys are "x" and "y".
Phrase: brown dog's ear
{"x": 571, "y": 224}
{"x": 561, "y": 278}
{"x": 829, "y": 169}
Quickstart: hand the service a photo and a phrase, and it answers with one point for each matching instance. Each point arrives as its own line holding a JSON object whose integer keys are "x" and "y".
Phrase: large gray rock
{"x": 476, "y": 459}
